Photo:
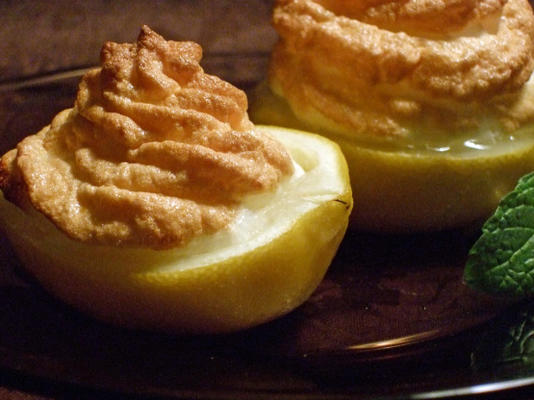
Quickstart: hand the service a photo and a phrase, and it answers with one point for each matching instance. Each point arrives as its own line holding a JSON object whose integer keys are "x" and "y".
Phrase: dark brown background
{"x": 39, "y": 37}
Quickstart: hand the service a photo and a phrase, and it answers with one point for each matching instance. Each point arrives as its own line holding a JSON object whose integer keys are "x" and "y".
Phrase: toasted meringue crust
{"x": 154, "y": 153}
{"x": 417, "y": 17}
{"x": 382, "y": 68}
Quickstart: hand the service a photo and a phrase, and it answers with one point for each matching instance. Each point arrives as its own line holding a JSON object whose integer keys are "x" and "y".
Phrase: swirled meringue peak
{"x": 154, "y": 153}
{"x": 409, "y": 71}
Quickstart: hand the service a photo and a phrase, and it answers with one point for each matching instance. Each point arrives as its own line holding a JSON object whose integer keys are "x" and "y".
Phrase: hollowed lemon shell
{"x": 249, "y": 284}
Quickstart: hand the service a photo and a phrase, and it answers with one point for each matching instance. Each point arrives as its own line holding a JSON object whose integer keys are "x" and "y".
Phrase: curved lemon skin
{"x": 401, "y": 192}
{"x": 126, "y": 287}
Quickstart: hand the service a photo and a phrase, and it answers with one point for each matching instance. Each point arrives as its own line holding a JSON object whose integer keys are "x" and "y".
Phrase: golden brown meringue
{"x": 404, "y": 69}
{"x": 154, "y": 152}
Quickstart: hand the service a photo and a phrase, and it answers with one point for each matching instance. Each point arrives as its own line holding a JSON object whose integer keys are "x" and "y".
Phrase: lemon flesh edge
{"x": 402, "y": 192}
{"x": 242, "y": 291}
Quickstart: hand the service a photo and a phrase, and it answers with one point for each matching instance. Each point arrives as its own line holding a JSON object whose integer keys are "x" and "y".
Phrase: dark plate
{"x": 392, "y": 319}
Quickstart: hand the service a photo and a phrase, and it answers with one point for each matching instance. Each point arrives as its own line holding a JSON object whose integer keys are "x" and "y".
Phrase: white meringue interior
{"x": 489, "y": 137}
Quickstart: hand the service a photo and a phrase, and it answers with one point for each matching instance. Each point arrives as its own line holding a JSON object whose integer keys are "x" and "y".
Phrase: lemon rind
{"x": 405, "y": 191}
{"x": 252, "y": 287}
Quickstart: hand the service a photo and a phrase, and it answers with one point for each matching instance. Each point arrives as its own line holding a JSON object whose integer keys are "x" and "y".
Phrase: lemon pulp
{"x": 264, "y": 265}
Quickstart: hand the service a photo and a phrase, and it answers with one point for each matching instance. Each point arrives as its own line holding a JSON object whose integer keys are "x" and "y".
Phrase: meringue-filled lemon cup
{"x": 431, "y": 102}
{"x": 155, "y": 203}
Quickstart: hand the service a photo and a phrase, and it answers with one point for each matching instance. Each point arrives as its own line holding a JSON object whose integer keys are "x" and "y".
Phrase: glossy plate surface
{"x": 391, "y": 319}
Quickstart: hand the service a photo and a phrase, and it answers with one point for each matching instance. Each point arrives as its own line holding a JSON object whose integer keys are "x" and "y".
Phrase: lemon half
{"x": 399, "y": 191}
{"x": 264, "y": 265}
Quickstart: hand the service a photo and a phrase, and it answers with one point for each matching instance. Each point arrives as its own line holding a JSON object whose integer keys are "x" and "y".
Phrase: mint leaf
{"x": 502, "y": 260}
{"x": 507, "y": 345}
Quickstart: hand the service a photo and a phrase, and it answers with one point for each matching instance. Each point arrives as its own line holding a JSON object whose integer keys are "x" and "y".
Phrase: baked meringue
{"x": 154, "y": 153}
{"x": 425, "y": 68}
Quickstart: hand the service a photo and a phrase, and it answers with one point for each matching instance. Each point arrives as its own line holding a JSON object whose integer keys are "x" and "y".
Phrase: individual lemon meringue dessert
{"x": 432, "y": 102}
{"x": 155, "y": 203}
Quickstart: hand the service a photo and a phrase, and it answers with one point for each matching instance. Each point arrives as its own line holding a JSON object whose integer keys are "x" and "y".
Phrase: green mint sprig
{"x": 501, "y": 262}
